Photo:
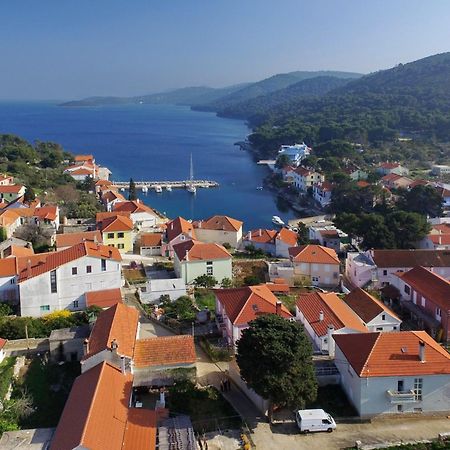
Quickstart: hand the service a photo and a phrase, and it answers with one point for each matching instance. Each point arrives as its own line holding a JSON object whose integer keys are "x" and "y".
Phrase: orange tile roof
{"x": 314, "y": 254}
{"x": 411, "y": 258}
{"x": 3, "y": 342}
{"x": 81, "y": 171}
{"x": 96, "y": 412}
{"x": 389, "y": 165}
{"x": 104, "y": 298}
{"x": 81, "y": 158}
{"x": 103, "y": 183}
{"x": 69, "y": 239}
{"x": 261, "y": 236}
{"x": 222, "y": 223}
{"x": 19, "y": 251}
{"x": 23, "y": 212}
{"x": 393, "y": 354}
{"x": 45, "y": 262}
{"x": 179, "y": 226}
{"x": 366, "y": 306}
{"x": 439, "y": 239}
{"x": 391, "y": 177}
{"x": 134, "y": 206}
{"x": 111, "y": 195}
{"x": 120, "y": 322}
{"x": 8, "y": 267}
{"x": 164, "y": 351}
{"x": 362, "y": 184}
{"x": 245, "y": 304}
{"x": 140, "y": 430}
{"x": 429, "y": 284}
{"x": 278, "y": 287}
{"x": 287, "y": 236}
{"x": 151, "y": 239}
{"x": 302, "y": 171}
{"x": 200, "y": 251}
{"x": 335, "y": 312}
{"x": 47, "y": 212}
{"x": 116, "y": 223}
{"x": 8, "y": 217}
{"x": 100, "y": 216}
{"x": 11, "y": 188}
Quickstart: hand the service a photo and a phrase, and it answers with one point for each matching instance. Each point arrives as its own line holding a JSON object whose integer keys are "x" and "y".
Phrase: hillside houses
{"x": 304, "y": 178}
{"x": 220, "y": 230}
{"x": 273, "y": 242}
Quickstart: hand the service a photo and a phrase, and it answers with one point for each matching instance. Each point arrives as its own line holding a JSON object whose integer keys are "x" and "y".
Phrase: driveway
{"x": 387, "y": 430}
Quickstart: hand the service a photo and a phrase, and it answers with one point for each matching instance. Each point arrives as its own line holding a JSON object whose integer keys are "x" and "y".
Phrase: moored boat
{"x": 277, "y": 221}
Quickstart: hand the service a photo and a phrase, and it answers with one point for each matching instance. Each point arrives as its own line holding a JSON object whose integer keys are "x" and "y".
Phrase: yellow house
{"x": 117, "y": 231}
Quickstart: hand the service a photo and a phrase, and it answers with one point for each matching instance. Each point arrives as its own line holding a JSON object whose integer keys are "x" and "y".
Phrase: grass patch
{"x": 288, "y": 301}
{"x": 134, "y": 276}
{"x": 6, "y": 373}
{"x": 206, "y": 407}
{"x": 205, "y": 299}
{"x": 49, "y": 386}
{"x": 334, "y": 401}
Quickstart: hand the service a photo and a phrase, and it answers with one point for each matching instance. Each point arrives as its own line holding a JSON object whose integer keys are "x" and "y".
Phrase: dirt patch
{"x": 243, "y": 270}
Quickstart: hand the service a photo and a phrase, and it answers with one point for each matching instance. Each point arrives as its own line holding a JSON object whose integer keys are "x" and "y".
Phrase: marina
{"x": 158, "y": 186}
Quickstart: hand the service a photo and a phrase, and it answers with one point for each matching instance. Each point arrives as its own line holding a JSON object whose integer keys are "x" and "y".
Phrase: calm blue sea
{"x": 154, "y": 142}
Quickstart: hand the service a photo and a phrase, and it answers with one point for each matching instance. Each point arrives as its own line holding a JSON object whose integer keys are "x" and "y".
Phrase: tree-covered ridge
{"x": 413, "y": 98}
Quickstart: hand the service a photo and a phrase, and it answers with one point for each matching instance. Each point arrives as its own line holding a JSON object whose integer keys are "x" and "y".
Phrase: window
{"x": 120, "y": 235}
{"x": 88, "y": 269}
{"x": 110, "y": 235}
{"x": 53, "y": 285}
{"x": 74, "y": 270}
{"x": 418, "y": 386}
{"x": 438, "y": 312}
{"x": 315, "y": 279}
{"x": 383, "y": 317}
{"x": 380, "y": 329}
{"x": 103, "y": 265}
{"x": 12, "y": 281}
{"x": 45, "y": 308}
{"x": 209, "y": 270}
{"x": 75, "y": 303}
{"x": 384, "y": 272}
{"x": 400, "y": 385}
{"x": 407, "y": 289}
{"x": 399, "y": 408}
{"x": 121, "y": 246}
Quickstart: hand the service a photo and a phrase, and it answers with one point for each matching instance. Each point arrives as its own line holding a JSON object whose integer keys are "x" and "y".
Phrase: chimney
{"x": 249, "y": 235}
{"x": 422, "y": 351}
{"x": 29, "y": 268}
{"x": 278, "y": 308}
{"x": 86, "y": 346}
{"x": 331, "y": 344}
{"x": 199, "y": 225}
{"x": 187, "y": 255}
{"x": 114, "y": 346}
{"x": 260, "y": 232}
{"x": 122, "y": 364}
{"x": 321, "y": 316}
{"x": 162, "y": 398}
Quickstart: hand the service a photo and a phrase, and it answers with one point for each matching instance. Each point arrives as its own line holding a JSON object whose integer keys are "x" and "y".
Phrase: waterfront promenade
{"x": 164, "y": 184}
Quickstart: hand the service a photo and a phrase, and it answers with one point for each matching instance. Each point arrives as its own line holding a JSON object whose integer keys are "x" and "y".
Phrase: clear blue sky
{"x": 63, "y": 49}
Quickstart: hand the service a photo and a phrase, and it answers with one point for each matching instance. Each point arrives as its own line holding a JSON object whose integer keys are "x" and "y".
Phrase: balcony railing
{"x": 401, "y": 396}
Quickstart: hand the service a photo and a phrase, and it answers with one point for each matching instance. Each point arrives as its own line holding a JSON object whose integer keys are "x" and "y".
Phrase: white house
{"x": 304, "y": 178}
{"x": 328, "y": 236}
{"x": 9, "y": 292}
{"x": 276, "y": 243}
{"x": 325, "y": 315}
{"x": 322, "y": 193}
{"x": 378, "y": 267}
{"x": 219, "y": 229}
{"x": 296, "y": 153}
{"x": 155, "y": 288}
{"x": 141, "y": 215}
{"x": 150, "y": 244}
{"x": 58, "y": 280}
{"x": 373, "y": 312}
{"x": 394, "y": 373}
{"x": 387, "y": 168}
{"x": 235, "y": 308}
{"x": 178, "y": 230}
{"x": 2, "y": 349}
{"x": 193, "y": 259}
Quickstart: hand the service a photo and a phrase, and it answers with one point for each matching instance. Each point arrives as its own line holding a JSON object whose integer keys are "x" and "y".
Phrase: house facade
{"x": 220, "y": 230}
{"x": 117, "y": 231}
{"x": 295, "y": 153}
{"x": 150, "y": 244}
{"x": 11, "y": 192}
{"x": 276, "y": 243}
{"x": 394, "y": 373}
{"x": 304, "y": 178}
{"x": 140, "y": 214}
{"x": 55, "y": 281}
{"x": 177, "y": 231}
{"x": 193, "y": 259}
{"x": 387, "y": 168}
{"x": 322, "y": 193}
{"x": 328, "y": 236}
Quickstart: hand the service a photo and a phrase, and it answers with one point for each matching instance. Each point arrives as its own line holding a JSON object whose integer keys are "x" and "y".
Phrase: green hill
{"x": 412, "y": 99}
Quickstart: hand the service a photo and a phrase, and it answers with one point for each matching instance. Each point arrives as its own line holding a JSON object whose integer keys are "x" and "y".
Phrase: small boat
{"x": 259, "y": 188}
{"x": 169, "y": 188}
{"x": 158, "y": 189}
{"x": 191, "y": 188}
{"x": 277, "y": 221}
{"x": 122, "y": 189}
{"x": 144, "y": 189}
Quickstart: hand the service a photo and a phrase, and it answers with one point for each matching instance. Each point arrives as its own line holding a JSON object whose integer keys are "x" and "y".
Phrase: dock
{"x": 164, "y": 184}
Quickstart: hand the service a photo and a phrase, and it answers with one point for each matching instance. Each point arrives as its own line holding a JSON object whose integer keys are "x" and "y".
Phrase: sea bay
{"x": 154, "y": 142}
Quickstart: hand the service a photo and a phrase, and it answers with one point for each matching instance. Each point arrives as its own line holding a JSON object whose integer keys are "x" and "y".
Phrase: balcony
{"x": 401, "y": 396}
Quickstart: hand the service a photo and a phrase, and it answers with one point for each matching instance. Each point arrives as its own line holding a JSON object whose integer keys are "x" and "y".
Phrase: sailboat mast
{"x": 191, "y": 173}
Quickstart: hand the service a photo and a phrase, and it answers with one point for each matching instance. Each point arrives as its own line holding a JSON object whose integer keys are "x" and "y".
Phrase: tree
{"x": 423, "y": 200}
{"x": 407, "y": 228}
{"x": 29, "y": 195}
{"x": 302, "y": 234}
{"x": 5, "y": 310}
{"x": 226, "y": 283}
{"x": 275, "y": 359}
{"x": 282, "y": 160}
{"x": 3, "y": 234}
{"x": 132, "y": 190}
{"x": 206, "y": 281}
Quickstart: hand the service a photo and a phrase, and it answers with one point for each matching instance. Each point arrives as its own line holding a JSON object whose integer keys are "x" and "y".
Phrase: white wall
{"x": 35, "y": 292}
{"x": 389, "y": 324}
{"x": 190, "y": 270}
{"x": 8, "y": 289}
{"x": 234, "y": 238}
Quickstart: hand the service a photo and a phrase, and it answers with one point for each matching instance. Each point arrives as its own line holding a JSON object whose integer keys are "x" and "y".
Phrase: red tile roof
{"x": 20, "y": 251}
{"x": 103, "y": 183}
{"x": 69, "y": 239}
{"x": 391, "y": 177}
{"x": 11, "y": 188}
{"x": 389, "y": 165}
{"x": 411, "y": 258}
{"x": 81, "y": 171}
{"x": 223, "y": 223}
{"x": 245, "y": 304}
{"x": 362, "y": 184}
{"x": 151, "y": 239}
{"x": 278, "y": 287}
{"x": 302, "y": 171}
{"x": 428, "y": 284}
{"x": 104, "y": 298}
{"x": 287, "y": 236}
{"x": 116, "y": 223}
{"x": 366, "y": 306}
{"x": 261, "y": 236}
{"x": 82, "y": 158}
{"x": 47, "y": 212}
{"x": 314, "y": 254}
{"x": 134, "y": 206}
{"x": 200, "y": 251}
{"x": 8, "y": 267}
{"x": 335, "y": 312}
{"x": 164, "y": 351}
{"x": 120, "y": 322}
{"x": 439, "y": 239}
{"x": 96, "y": 412}
{"x": 45, "y": 262}
{"x": 393, "y": 354}
{"x": 179, "y": 226}
{"x": 3, "y": 342}
{"x": 140, "y": 430}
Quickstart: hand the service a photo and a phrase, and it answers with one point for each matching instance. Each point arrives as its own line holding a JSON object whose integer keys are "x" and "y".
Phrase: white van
{"x": 309, "y": 420}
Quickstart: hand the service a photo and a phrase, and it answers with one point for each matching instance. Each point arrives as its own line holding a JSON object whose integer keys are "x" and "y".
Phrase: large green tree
{"x": 275, "y": 360}
{"x": 132, "y": 190}
{"x": 423, "y": 200}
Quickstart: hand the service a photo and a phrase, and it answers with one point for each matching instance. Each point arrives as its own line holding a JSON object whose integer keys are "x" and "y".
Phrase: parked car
{"x": 310, "y": 420}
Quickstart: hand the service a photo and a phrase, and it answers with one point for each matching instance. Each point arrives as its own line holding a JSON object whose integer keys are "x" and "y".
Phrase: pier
{"x": 164, "y": 184}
